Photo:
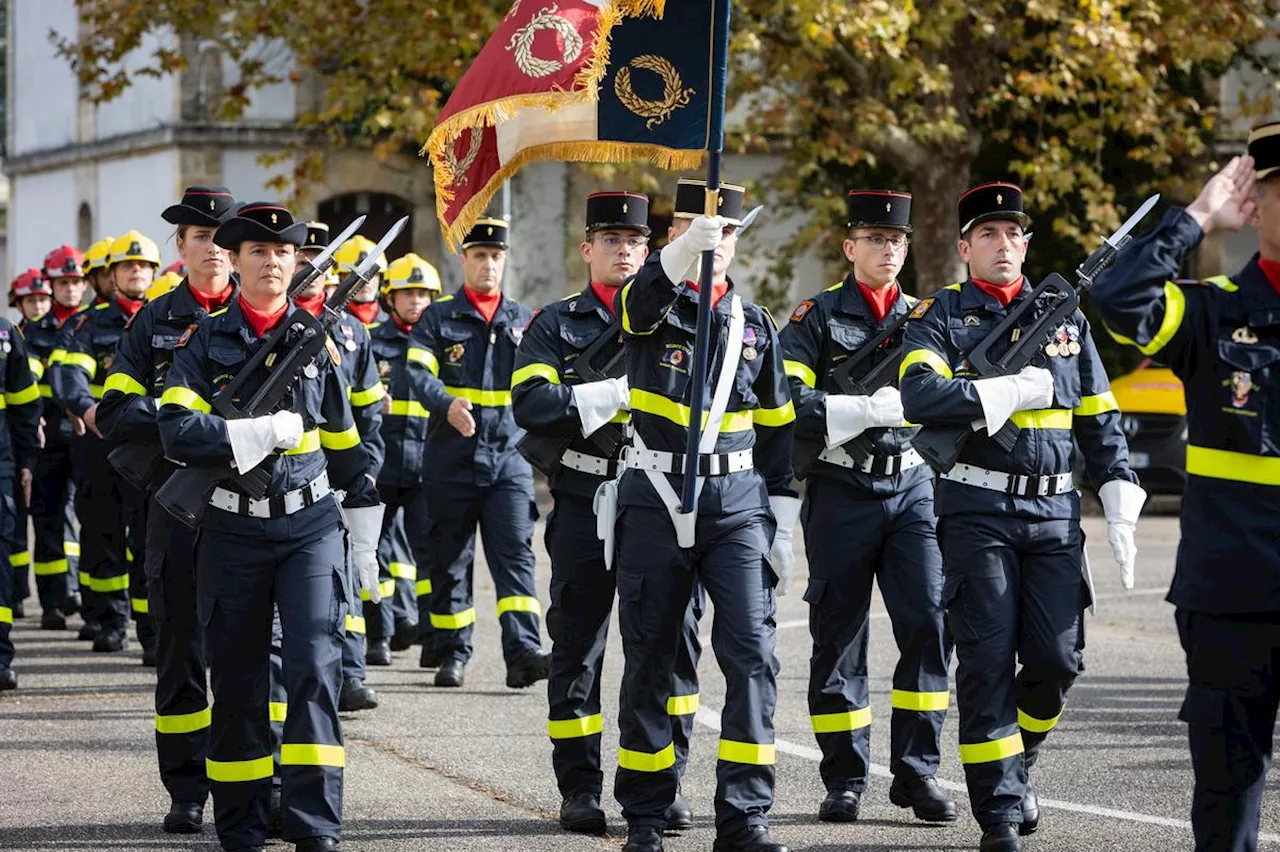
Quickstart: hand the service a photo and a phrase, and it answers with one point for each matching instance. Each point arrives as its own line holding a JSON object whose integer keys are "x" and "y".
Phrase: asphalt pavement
{"x": 470, "y": 769}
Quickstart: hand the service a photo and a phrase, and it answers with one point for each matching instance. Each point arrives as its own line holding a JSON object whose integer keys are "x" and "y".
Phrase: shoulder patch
{"x": 80, "y": 322}
{"x": 802, "y": 309}
{"x": 186, "y": 336}
{"x": 334, "y": 356}
{"x": 921, "y": 308}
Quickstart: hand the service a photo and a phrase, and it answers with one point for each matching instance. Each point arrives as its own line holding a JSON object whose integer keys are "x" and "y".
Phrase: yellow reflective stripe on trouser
{"x": 124, "y": 383}
{"x": 643, "y": 761}
{"x": 1042, "y": 418}
{"x": 56, "y": 566}
{"x": 530, "y": 371}
{"x": 368, "y": 396}
{"x": 1237, "y": 467}
{"x": 185, "y": 398}
{"x": 277, "y": 711}
{"x": 312, "y": 754}
{"x": 1175, "y": 308}
{"x": 6, "y": 615}
{"x": 386, "y": 588}
{"x": 107, "y": 584}
{"x": 752, "y": 753}
{"x": 517, "y": 603}
{"x": 422, "y": 587}
{"x": 569, "y": 729}
{"x": 403, "y": 570}
{"x": 801, "y": 371}
{"x": 834, "y": 723}
{"x": 682, "y": 705}
{"x": 1038, "y": 726}
{"x": 140, "y": 605}
{"x": 929, "y": 358}
{"x": 491, "y": 398}
{"x": 21, "y": 559}
{"x": 425, "y": 358}
{"x": 71, "y": 548}
{"x": 21, "y": 397}
{"x": 991, "y": 751}
{"x": 228, "y": 771}
{"x": 923, "y": 702}
{"x": 355, "y": 624}
{"x": 455, "y": 621}
{"x": 660, "y": 406}
{"x": 1092, "y": 406}
{"x": 184, "y": 723}
{"x": 344, "y": 440}
{"x": 408, "y": 408}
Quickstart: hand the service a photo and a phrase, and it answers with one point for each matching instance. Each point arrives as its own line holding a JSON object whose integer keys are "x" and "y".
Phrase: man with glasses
{"x": 867, "y": 517}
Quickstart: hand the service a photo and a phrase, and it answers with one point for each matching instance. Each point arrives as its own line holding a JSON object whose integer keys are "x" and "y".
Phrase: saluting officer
{"x": 868, "y": 519}
{"x": 461, "y": 355}
{"x": 1222, "y": 339}
{"x": 287, "y": 550}
{"x": 1009, "y": 521}
{"x": 558, "y": 405}
{"x": 127, "y": 414}
{"x": 746, "y": 507}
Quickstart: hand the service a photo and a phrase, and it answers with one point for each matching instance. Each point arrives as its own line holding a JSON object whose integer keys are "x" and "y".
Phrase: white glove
{"x": 364, "y": 525}
{"x": 850, "y": 416}
{"x": 253, "y": 439}
{"x": 1121, "y": 504}
{"x": 597, "y": 402}
{"x": 679, "y": 255}
{"x": 1026, "y": 390}
{"x": 785, "y": 511}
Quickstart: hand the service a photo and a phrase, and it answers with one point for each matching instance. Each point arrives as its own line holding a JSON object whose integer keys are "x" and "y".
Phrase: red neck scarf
{"x": 1002, "y": 293}
{"x": 485, "y": 303}
{"x": 129, "y": 306}
{"x": 61, "y": 312}
{"x": 880, "y": 301}
{"x": 366, "y": 312}
{"x": 717, "y": 290}
{"x": 403, "y": 325}
{"x": 210, "y": 301}
{"x": 259, "y": 322}
{"x": 313, "y": 305}
{"x": 605, "y": 293}
{"x": 1270, "y": 268}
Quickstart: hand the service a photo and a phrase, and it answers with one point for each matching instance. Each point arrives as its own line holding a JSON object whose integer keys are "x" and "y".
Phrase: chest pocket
{"x": 104, "y": 343}
{"x": 459, "y": 341}
{"x": 162, "y": 345}
{"x": 1248, "y": 388}
{"x": 576, "y": 334}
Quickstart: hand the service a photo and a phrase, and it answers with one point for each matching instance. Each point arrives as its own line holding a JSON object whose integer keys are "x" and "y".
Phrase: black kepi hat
{"x": 489, "y": 231}
{"x": 879, "y": 208}
{"x": 623, "y": 210}
{"x": 1264, "y": 147}
{"x": 208, "y": 206}
{"x": 691, "y": 200}
{"x": 317, "y": 236}
{"x": 988, "y": 201}
{"x": 263, "y": 221}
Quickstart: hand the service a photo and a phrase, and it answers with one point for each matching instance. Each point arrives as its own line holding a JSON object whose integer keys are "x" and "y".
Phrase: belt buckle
{"x": 1015, "y": 485}
{"x": 1043, "y": 489}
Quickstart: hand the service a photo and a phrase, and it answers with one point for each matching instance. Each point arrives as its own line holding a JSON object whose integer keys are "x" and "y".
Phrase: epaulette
{"x": 1222, "y": 282}
{"x": 911, "y": 300}
{"x": 569, "y": 297}
{"x": 448, "y": 298}
{"x": 802, "y": 309}
{"x": 773, "y": 322}
{"x": 186, "y": 335}
{"x": 834, "y": 287}
{"x": 101, "y": 306}
{"x": 219, "y": 312}
{"x": 922, "y": 307}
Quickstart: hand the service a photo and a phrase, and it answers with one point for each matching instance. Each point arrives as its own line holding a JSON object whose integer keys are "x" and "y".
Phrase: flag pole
{"x": 711, "y": 207}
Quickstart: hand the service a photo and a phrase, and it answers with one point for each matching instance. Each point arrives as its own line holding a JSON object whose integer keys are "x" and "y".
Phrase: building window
{"x": 382, "y": 211}
{"x": 84, "y": 227}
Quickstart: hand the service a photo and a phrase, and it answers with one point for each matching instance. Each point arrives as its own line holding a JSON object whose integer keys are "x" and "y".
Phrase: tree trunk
{"x": 935, "y": 188}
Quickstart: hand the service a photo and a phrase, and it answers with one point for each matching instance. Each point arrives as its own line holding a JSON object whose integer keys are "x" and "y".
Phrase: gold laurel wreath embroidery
{"x": 674, "y": 95}
{"x": 522, "y": 43}
{"x": 459, "y": 167}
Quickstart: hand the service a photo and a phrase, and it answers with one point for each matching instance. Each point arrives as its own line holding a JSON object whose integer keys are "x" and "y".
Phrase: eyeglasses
{"x": 612, "y": 241}
{"x": 879, "y": 241}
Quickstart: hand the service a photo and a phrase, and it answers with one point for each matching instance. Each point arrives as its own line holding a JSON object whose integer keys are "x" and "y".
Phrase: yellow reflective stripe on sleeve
{"x": 424, "y": 357}
{"x": 1237, "y": 467}
{"x": 834, "y": 723}
{"x": 1175, "y": 308}
{"x": 36, "y": 366}
{"x": 6, "y": 615}
{"x": 403, "y": 570}
{"x": 422, "y": 587}
{"x": 368, "y": 396}
{"x": 922, "y": 702}
{"x": 47, "y": 569}
{"x": 750, "y": 753}
{"x": 518, "y": 603}
{"x": 929, "y": 358}
{"x": 570, "y": 729}
{"x": 21, "y": 559}
{"x": 81, "y": 360}
{"x": 71, "y": 548}
{"x": 682, "y": 705}
{"x": 278, "y": 710}
{"x": 109, "y": 584}
{"x": 386, "y": 588}
{"x": 141, "y": 605}
{"x": 124, "y": 383}
{"x": 1038, "y": 726}
{"x": 355, "y": 624}
{"x": 344, "y": 440}
{"x": 780, "y": 416}
{"x": 626, "y": 316}
{"x": 1223, "y": 282}
{"x": 46, "y": 392}
{"x": 230, "y": 771}
{"x": 1042, "y": 418}
{"x": 21, "y": 397}
{"x": 490, "y": 398}
{"x": 96, "y": 391}
{"x": 1092, "y": 406}
{"x": 184, "y": 723}
{"x": 185, "y": 398}
{"x": 84, "y": 578}
{"x": 310, "y": 443}
{"x": 408, "y": 408}
{"x": 991, "y": 751}
{"x": 660, "y": 406}
{"x": 57, "y": 356}
{"x": 643, "y": 761}
{"x": 455, "y": 621}
{"x": 312, "y": 754}
{"x": 801, "y": 371}
{"x": 531, "y": 371}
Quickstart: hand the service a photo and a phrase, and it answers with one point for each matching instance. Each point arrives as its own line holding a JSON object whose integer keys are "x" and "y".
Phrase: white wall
{"x": 42, "y": 215}
{"x": 42, "y": 107}
{"x": 269, "y": 103}
{"x": 148, "y": 103}
{"x": 242, "y": 174}
{"x": 132, "y": 192}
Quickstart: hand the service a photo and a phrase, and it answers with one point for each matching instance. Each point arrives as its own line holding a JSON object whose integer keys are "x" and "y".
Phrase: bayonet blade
{"x": 749, "y": 218}
{"x": 316, "y": 266}
{"x": 387, "y": 239}
{"x": 1132, "y": 221}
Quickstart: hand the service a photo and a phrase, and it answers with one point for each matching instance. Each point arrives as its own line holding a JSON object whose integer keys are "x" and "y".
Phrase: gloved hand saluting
{"x": 679, "y": 255}
{"x": 1121, "y": 504}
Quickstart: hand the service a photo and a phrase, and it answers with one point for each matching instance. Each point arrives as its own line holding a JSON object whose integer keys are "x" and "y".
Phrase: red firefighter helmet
{"x": 29, "y": 283}
{"x": 64, "y": 262}
{"x": 178, "y": 267}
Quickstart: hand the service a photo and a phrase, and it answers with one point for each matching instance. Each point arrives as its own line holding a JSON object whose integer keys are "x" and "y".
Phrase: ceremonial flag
{"x": 604, "y": 81}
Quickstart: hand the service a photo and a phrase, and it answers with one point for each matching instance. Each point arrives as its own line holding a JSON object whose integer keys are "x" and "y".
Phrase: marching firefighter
{"x": 557, "y": 404}
{"x": 108, "y": 507}
{"x": 286, "y": 550}
{"x": 1221, "y": 337}
{"x": 867, "y": 519}
{"x": 1015, "y": 585}
{"x": 737, "y": 542}
{"x": 127, "y": 414}
{"x": 461, "y": 354}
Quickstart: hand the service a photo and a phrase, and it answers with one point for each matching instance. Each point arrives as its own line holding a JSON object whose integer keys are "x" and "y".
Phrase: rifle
{"x": 288, "y": 351}
{"x": 545, "y": 451}
{"x": 940, "y": 446}
{"x": 143, "y": 464}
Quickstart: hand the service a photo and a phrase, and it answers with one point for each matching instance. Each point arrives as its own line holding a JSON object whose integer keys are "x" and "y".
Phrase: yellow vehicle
{"x": 1153, "y": 415}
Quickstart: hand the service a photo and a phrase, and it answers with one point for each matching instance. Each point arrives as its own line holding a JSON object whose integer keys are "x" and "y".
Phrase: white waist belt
{"x": 1011, "y": 483}
{"x": 710, "y": 464}
{"x": 874, "y": 465}
{"x": 272, "y": 507}
{"x": 594, "y": 465}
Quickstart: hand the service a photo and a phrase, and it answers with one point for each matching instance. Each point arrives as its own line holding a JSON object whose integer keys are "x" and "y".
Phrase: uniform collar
{"x": 852, "y": 302}
{"x": 180, "y": 304}
{"x": 461, "y": 307}
{"x": 1256, "y": 295}
{"x": 972, "y": 298}
{"x": 587, "y": 302}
